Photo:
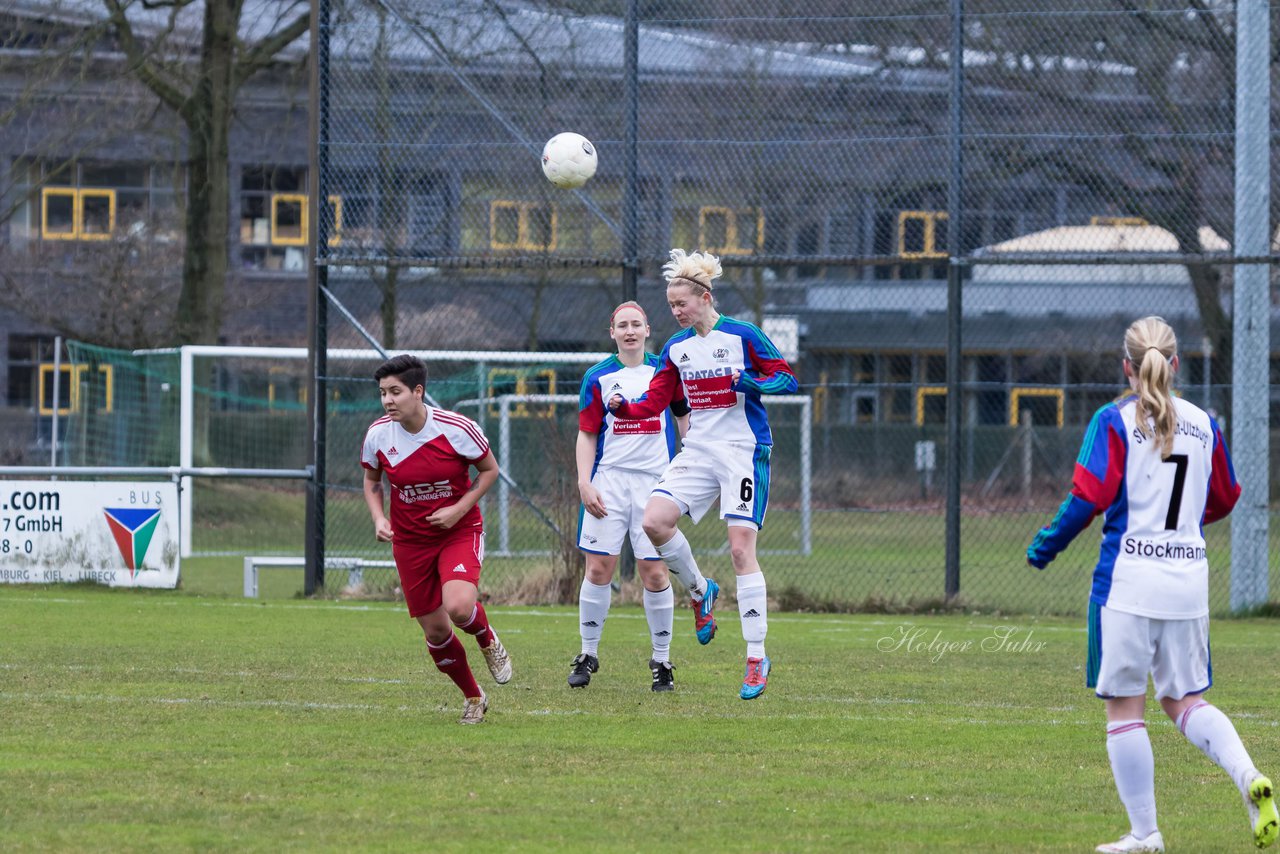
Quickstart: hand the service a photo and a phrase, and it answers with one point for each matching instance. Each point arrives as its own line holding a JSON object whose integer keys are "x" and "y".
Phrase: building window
{"x": 26, "y": 352}
{"x": 288, "y": 219}
{"x": 273, "y": 217}
{"x": 726, "y": 231}
{"x": 1044, "y": 405}
{"x": 58, "y": 206}
{"x": 931, "y": 404}
{"x": 522, "y": 225}
{"x": 67, "y": 213}
{"x": 521, "y": 381}
{"x": 94, "y": 202}
{"x": 72, "y": 378}
{"x": 920, "y": 235}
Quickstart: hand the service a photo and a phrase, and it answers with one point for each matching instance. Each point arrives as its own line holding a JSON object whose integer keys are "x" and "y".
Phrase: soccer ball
{"x": 568, "y": 160}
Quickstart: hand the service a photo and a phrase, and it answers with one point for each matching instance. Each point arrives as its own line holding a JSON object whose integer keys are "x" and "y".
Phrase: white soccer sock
{"x": 593, "y": 610}
{"x": 676, "y": 553}
{"x": 1134, "y": 767}
{"x": 1209, "y": 729}
{"x": 753, "y": 608}
{"x": 658, "y": 610}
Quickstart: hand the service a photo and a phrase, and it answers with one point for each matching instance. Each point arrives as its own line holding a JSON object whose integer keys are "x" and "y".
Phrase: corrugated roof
{"x": 534, "y": 35}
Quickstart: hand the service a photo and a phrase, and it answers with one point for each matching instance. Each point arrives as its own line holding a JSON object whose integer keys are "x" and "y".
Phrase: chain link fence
{"x": 811, "y": 149}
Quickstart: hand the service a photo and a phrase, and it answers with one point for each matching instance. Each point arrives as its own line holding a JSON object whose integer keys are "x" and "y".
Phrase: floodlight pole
{"x": 1251, "y": 307}
{"x": 955, "y": 314}
{"x": 317, "y": 306}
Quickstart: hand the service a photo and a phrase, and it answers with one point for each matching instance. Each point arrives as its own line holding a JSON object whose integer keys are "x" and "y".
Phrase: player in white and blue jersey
{"x": 723, "y": 367}
{"x": 1156, "y": 467}
{"x": 618, "y": 464}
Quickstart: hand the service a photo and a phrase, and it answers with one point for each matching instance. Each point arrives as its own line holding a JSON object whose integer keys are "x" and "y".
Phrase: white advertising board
{"x": 119, "y": 534}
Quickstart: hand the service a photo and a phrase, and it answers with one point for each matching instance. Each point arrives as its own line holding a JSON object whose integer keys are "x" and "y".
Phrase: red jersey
{"x": 427, "y": 470}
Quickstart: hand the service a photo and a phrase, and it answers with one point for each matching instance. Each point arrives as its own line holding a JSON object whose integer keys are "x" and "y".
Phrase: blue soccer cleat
{"x": 704, "y": 622}
{"x": 757, "y": 678}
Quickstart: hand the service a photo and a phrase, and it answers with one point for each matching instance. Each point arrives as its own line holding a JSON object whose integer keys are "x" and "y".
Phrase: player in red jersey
{"x": 435, "y": 530}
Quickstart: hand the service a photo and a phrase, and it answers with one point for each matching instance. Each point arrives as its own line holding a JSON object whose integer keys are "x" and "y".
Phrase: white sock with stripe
{"x": 753, "y": 608}
{"x": 659, "y": 609}
{"x": 593, "y": 610}
{"x": 1134, "y": 767}
{"x": 678, "y": 557}
{"x": 1209, "y": 729}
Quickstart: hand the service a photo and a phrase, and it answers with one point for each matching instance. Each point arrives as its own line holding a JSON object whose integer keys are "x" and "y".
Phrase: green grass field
{"x": 197, "y": 720}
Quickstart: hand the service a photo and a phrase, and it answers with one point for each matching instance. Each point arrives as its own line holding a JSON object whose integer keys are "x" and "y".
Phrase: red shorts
{"x": 425, "y": 567}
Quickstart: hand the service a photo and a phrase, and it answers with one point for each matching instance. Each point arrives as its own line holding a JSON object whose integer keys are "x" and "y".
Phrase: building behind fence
{"x": 812, "y": 150}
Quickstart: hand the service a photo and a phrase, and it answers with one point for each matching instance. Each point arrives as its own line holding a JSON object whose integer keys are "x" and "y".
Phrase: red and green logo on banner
{"x": 133, "y": 529}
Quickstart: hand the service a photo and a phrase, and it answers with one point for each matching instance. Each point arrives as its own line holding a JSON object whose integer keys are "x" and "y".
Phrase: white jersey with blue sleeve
{"x": 646, "y": 445}
{"x": 1152, "y": 561}
{"x": 701, "y": 367}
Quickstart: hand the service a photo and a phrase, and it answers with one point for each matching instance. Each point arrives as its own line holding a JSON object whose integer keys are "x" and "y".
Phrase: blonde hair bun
{"x": 700, "y": 267}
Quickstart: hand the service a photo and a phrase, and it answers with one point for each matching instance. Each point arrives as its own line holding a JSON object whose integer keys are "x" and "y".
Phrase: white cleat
{"x": 1129, "y": 844}
{"x": 495, "y": 655}
{"x": 473, "y": 709}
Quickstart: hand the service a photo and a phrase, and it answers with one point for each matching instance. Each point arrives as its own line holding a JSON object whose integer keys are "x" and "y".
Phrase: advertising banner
{"x": 119, "y": 534}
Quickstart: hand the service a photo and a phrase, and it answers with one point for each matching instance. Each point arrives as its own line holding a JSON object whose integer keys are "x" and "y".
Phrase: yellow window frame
{"x": 819, "y": 396}
{"x": 521, "y": 376}
{"x": 96, "y": 193}
{"x": 273, "y": 372}
{"x": 1016, "y": 394}
{"x": 336, "y": 238}
{"x": 930, "y": 220}
{"x": 927, "y": 391}
{"x": 55, "y": 192}
{"x": 523, "y": 240}
{"x": 730, "y": 215}
{"x": 74, "y": 373}
{"x": 299, "y": 199}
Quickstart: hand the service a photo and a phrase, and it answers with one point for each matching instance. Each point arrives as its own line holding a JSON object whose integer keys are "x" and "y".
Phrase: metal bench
{"x": 354, "y": 567}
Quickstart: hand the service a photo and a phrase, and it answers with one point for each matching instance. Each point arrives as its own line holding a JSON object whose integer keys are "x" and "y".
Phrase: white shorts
{"x": 624, "y": 493}
{"x": 736, "y": 474}
{"x": 1125, "y": 648}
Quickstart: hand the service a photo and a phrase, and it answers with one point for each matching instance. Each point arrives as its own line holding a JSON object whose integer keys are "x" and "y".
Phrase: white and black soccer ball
{"x": 568, "y": 160}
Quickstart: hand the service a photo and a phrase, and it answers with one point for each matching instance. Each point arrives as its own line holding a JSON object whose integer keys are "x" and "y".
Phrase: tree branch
{"x": 141, "y": 66}
{"x": 260, "y": 54}
{"x": 1213, "y": 39}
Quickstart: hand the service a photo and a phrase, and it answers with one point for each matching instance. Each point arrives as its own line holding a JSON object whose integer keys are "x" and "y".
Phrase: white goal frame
{"x": 187, "y": 409}
{"x": 506, "y": 401}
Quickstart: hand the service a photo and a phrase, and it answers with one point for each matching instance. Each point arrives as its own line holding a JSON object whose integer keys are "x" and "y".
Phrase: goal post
{"x": 794, "y": 464}
{"x": 240, "y": 414}
{"x": 485, "y": 366}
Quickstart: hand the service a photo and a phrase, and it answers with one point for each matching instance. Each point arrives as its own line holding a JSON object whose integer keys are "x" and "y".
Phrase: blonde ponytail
{"x": 1150, "y": 346}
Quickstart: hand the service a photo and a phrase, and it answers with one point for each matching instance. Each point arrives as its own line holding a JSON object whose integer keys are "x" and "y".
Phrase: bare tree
{"x": 115, "y": 297}
{"x": 63, "y": 102}
{"x": 74, "y": 100}
{"x": 199, "y": 83}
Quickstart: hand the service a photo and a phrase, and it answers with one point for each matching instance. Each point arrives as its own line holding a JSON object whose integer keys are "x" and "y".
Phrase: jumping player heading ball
{"x": 723, "y": 366}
